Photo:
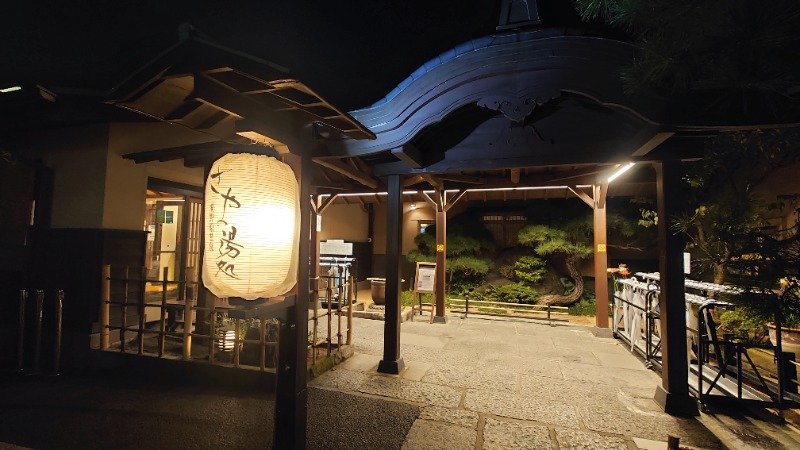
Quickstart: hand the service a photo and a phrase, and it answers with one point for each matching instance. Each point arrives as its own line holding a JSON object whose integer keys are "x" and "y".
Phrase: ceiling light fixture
{"x": 620, "y": 170}
{"x": 10, "y": 89}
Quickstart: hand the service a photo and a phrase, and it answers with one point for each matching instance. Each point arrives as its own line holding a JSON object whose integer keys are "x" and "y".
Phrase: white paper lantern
{"x": 252, "y": 227}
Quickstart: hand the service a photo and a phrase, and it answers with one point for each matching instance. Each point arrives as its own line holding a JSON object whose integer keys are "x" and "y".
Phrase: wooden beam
{"x": 441, "y": 264}
{"x": 430, "y": 200}
{"x": 291, "y": 397}
{"x": 323, "y": 205}
{"x": 335, "y": 165}
{"x": 265, "y": 121}
{"x": 582, "y": 195}
{"x": 435, "y": 183}
{"x": 261, "y": 134}
{"x": 410, "y": 181}
{"x": 601, "y": 194}
{"x": 515, "y": 174}
{"x": 392, "y": 362}
{"x": 459, "y": 195}
{"x": 409, "y": 154}
{"x": 600, "y": 259}
{"x": 360, "y": 164}
{"x": 652, "y": 142}
{"x": 462, "y": 179}
{"x": 673, "y": 394}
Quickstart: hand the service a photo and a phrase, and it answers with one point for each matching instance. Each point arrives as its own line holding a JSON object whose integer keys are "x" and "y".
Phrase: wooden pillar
{"x": 441, "y": 258}
{"x": 392, "y": 362}
{"x": 600, "y": 259}
{"x": 291, "y": 395}
{"x": 673, "y": 394}
{"x": 316, "y": 213}
{"x": 205, "y": 299}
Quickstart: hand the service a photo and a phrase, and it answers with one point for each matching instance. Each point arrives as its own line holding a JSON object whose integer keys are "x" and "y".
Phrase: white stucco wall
{"x": 126, "y": 181}
{"x": 409, "y": 228}
{"x": 348, "y": 222}
{"x": 125, "y": 193}
{"x": 78, "y": 159}
{"x": 411, "y": 220}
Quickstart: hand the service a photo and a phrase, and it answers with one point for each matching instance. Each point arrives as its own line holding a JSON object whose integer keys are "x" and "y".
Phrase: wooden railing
{"x": 523, "y": 310}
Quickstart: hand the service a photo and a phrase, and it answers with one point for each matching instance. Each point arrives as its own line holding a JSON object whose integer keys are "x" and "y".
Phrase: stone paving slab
{"x": 361, "y": 362}
{"x": 340, "y": 379}
{"x": 503, "y": 435}
{"x": 486, "y": 377}
{"x": 413, "y": 391}
{"x": 461, "y": 417}
{"x": 554, "y": 354}
{"x": 487, "y": 383}
{"x": 578, "y": 393}
{"x": 428, "y": 434}
{"x": 614, "y": 376}
{"x": 586, "y": 440}
{"x": 416, "y": 370}
{"x": 649, "y": 425}
{"x": 422, "y": 340}
{"x": 438, "y": 356}
{"x": 619, "y": 359}
{"x": 527, "y": 366}
{"x": 524, "y": 408}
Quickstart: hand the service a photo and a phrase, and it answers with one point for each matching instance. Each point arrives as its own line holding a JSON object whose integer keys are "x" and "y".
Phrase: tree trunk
{"x": 572, "y": 297}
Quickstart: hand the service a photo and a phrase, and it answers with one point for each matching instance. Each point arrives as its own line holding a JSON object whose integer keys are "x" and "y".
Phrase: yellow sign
{"x": 601, "y": 248}
{"x": 440, "y": 248}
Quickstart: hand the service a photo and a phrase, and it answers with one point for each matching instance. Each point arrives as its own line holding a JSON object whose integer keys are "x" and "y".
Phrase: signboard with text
{"x": 425, "y": 278}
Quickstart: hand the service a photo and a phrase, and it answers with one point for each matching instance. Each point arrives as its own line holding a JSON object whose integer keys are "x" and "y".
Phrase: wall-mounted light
{"x": 620, "y": 170}
{"x": 252, "y": 227}
{"x": 413, "y": 206}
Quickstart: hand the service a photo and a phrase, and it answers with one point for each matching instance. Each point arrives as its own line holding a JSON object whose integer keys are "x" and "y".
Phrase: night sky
{"x": 351, "y": 52}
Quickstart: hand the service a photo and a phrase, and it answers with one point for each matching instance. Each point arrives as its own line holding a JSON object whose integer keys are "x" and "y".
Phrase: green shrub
{"x": 506, "y": 271}
{"x": 465, "y": 273}
{"x": 407, "y": 298}
{"x": 511, "y": 293}
{"x": 745, "y": 323}
{"x": 529, "y": 269}
{"x": 586, "y": 306}
{"x": 415, "y": 256}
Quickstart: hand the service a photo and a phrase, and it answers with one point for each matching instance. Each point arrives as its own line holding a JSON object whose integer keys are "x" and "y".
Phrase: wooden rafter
{"x": 410, "y": 181}
{"x": 433, "y": 181}
{"x": 350, "y": 172}
{"x": 582, "y": 195}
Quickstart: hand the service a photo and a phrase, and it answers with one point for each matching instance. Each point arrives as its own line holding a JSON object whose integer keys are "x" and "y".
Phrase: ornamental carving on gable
{"x": 518, "y": 108}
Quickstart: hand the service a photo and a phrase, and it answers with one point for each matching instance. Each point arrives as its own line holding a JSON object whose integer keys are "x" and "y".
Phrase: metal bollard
{"x": 38, "y": 349}
{"x": 105, "y": 308}
{"x": 187, "y": 329}
{"x": 549, "y": 321}
{"x": 59, "y": 316}
{"x": 23, "y": 297}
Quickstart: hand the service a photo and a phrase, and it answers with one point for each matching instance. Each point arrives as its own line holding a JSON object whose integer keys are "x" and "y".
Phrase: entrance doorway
{"x": 173, "y": 220}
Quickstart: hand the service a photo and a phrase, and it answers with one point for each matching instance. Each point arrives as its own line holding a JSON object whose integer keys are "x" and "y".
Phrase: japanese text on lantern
{"x": 228, "y": 249}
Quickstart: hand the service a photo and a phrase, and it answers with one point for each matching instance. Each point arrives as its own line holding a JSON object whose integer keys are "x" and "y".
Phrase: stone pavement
{"x": 476, "y": 383}
{"x": 484, "y": 383}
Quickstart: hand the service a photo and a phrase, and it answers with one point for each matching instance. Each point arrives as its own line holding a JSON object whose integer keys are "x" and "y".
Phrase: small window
{"x": 423, "y": 225}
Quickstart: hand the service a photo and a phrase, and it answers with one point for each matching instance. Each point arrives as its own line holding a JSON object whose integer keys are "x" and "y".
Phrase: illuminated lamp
{"x": 252, "y": 227}
{"x": 620, "y": 170}
{"x": 226, "y": 339}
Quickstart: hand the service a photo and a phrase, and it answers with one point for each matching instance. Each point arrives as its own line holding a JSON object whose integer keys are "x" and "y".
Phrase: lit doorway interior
{"x": 173, "y": 221}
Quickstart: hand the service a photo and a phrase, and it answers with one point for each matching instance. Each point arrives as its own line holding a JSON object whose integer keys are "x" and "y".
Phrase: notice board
{"x": 425, "y": 278}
